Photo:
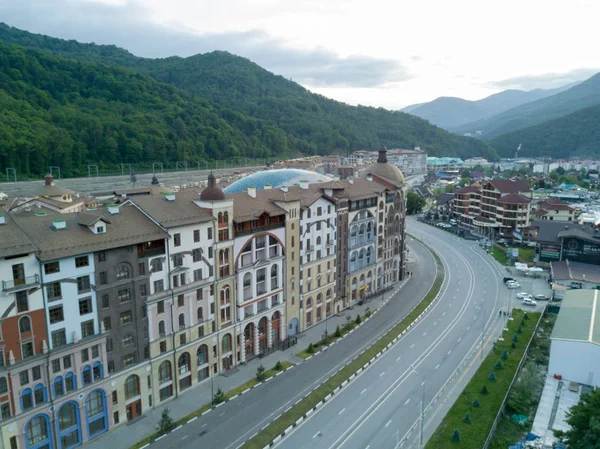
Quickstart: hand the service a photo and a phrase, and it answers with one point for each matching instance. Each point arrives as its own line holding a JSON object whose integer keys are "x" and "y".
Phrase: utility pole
{"x": 421, "y": 443}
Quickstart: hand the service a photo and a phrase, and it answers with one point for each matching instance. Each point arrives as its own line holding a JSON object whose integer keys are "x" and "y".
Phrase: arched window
{"x": 361, "y": 233}
{"x": 37, "y": 433}
{"x": 3, "y": 385}
{"x": 361, "y": 258}
{"x": 39, "y": 392}
{"x": 183, "y": 363}
{"x": 164, "y": 372}
{"x": 58, "y": 387}
{"x": 319, "y": 299}
{"x": 69, "y": 430}
{"x": 381, "y": 205}
{"x": 220, "y": 217}
{"x": 226, "y": 217}
{"x": 369, "y": 256}
{"x": 70, "y": 382}
{"x": 225, "y": 295}
{"x": 353, "y": 261}
{"x": 226, "y": 344}
{"x": 123, "y": 272}
{"x": 221, "y": 257}
{"x": 25, "y": 324}
{"x": 161, "y": 328}
{"x": 309, "y": 303}
{"x": 200, "y": 314}
{"x": 86, "y": 375}
{"x": 98, "y": 371}
{"x": 95, "y": 405}
{"x": 26, "y": 399}
{"x": 202, "y": 355}
{"x": 132, "y": 386}
{"x": 319, "y": 240}
{"x": 369, "y": 231}
{"x": 181, "y": 321}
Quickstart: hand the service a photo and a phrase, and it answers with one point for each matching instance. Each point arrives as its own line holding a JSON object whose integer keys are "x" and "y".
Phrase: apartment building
{"x": 498, "y": 207}
{"x": 553, "y": 209}
{"x": 410, "y": 162}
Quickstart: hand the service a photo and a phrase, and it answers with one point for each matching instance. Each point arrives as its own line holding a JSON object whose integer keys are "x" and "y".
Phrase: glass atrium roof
{"x": 277, "y": 178}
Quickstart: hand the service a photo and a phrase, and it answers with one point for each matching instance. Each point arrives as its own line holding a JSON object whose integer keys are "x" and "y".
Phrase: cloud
{"x": 129, "y": 25}
{"x": 545, "y": 80}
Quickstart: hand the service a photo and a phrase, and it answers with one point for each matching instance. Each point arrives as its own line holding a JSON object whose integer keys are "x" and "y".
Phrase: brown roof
{"x": 182, "y": 211}
{"x": 246, "y": 208}
{"x": 576, "y": 271}
{"x": 87, "y": 219}
{"x": 467, "y": 189}
{"x": 552, "y": 204}
{"x": 508, "y": 186}
{"x": 128, "y": 227}
{"x": 541, "y": 212}
{"x": 13, "y": 241}
{"x": 514, "y": 198}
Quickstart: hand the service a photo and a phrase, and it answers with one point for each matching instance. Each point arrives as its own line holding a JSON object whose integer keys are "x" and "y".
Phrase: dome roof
{"x": 212, "y": 192}
{"x": 385, "y": 170}
{"x": 276, "y": 178}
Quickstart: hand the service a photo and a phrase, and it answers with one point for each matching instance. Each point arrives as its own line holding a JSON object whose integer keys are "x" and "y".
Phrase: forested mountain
{"x": 450, "y": 112}
{"x": 576, "y": 134}
{"x": 242, "y": 92}
{"x": 580, "y": 96}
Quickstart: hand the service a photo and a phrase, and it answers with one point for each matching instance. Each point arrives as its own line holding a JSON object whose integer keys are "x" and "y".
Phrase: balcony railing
{"x": 21, "y": 284}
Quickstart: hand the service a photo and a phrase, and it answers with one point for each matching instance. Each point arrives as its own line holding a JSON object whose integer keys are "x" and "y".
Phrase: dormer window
{"x": 100, "y": 229}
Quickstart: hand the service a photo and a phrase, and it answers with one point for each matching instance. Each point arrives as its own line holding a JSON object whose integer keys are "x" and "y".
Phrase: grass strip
{"x": 277, "y": 427}
{"x": 483, "y": 411}
{"x": 231, "y": 393}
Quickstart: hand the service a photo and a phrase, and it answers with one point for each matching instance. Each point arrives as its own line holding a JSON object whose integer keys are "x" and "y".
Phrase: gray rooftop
{"x": 182, "y": 211}
{"x": 575, "y": 271}
{"x": 548, "y": 230}
{"x": 579, "y": 317}
{"x": 13, "y": 241}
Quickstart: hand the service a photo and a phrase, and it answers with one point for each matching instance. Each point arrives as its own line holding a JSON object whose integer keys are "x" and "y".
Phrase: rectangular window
{"x": 116, "y": 417}
{"x": 142, "y": 268}
{"x": 197, "y": 275}
{"x": 95, "y": 351}
{"x": 83, "y": 284}
{"x": 200, "y": 331}
{"x": 85, "y": 306}
{"x": 107, "y": 323}
{"x": 163, "y": 347}
{"x": 55, "y": 365}
{"x": 160, "y": 307}
{"x": 85, "y": 355}
{"x": 109, "y": 345}
{"x": 27, "y": 349}
{"x": 69, "y": 383}
{"x": 128, "y": 360}
{"x": 125, "y": 317}
{"x": 175, "y": 281}
{"x": 143, "y": 291}
{"x": 51, "y": 267}
{"x": 102, "y": 256}
{"x": 56, "y": 314}
{"x": 156, "y": 265}
{"x": 127, "y": 340}
{"x": 105, "y": 301}
{"x": 177, "y": 239}
{"x": 54, "y": 291}
{"x": 178, "y": 260}
{"x": 212, "y": 307}
{"x": 210, "y": 252}
{"x": 22, "y": 303}
{"x": 36, "y": 373}
{"x": 199, "y": 294}
{"x": 196, "y": 235}
{"x": 209, "y": 233}
{"x": 67, "y": 361}
{"x": 319, "y": 211}
{"x": 103, "y": 278}
{"x": 24, "y": 377}
{"x": 159, "y": 286}
{"x": 196, "y": 255}
{"x": 4, "y": 414}
{"x": 81, "y": 261}
{"x": 87, "y": 328}
{"x": 124, "y": 295}
{"x": 182, "y": 339}
{"x": 180, "y": 301}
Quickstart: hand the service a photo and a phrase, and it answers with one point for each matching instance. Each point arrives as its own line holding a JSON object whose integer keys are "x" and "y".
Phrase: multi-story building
{"x": 554, "y": 210}
{"x": 411, "y": 162}
{"x": 498, "y": 207}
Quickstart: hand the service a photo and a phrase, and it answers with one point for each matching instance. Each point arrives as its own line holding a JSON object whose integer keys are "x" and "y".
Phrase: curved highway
{"x": 380, "y": 406}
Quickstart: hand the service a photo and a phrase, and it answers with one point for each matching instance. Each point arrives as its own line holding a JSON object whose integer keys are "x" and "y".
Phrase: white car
{"x": 529, "y": 302}
{"x": 512, "y": 284}
{"x": 523, "y": 295}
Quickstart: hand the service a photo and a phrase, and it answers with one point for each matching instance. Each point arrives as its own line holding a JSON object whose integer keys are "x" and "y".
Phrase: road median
{"x": 293, "y": 417}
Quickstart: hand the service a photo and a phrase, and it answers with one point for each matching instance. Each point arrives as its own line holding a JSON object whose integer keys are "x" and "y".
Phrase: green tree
{"x": 499, "y": 364}
{"x": 524, "y": 390}
{"x": 358, "y": 320}
{"x": 492, "y": 376}
{"x": 456, "y": 436}
{"x": 476, "y": 403}
{"x": 166, "y": 424}
{"x": 278, "y": 366}
{"x": 338, "y": 332}
{"x": 218, "y": 397}
{"x": 414, "y": 203}
{"x": 465, "y": 174}
{"x": 260, "y": 373}
{"x": 467, "y": 418}
{"x": 584, "y": 419}
{"x": 484, "y": 390}
{"x": 505, "y": 354}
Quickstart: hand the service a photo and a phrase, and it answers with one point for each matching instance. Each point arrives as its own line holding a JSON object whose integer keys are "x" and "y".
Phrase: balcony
{"x": 17, "y": 285}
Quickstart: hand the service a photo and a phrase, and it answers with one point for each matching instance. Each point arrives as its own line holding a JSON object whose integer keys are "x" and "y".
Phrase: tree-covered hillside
{"x": 576, "y": 134}
{"x": 309, "y": 123}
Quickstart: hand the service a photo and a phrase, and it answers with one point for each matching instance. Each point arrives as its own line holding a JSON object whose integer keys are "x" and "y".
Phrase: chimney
{"x": 2, "y": 220}
{"x": 268, "y": 187}
{"x": 382, "y": 159}
{"x": 59, "y": 223}
{"x": 304, "y": 184}
{"x": 252, "y": 192}
{"x": 284, "y": 188}
{"x": 170, "y": 196}
{"x": 49, "y": 180}
{"x": 113, "y": 209}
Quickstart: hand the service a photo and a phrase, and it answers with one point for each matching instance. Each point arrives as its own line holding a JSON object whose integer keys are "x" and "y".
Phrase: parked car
{"x": 513, "y": 285}
{"x": 529, "y": 302}
{"x": 541, "y": 297}
{"x": 523, "y": 295}
{"x": 453, "y": 222}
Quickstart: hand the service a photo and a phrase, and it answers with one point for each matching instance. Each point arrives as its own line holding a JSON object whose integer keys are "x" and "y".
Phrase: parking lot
{"x": 532, "y": 285}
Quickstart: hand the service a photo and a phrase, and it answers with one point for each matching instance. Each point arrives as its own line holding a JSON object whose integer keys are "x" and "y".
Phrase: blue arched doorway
{"x": 293, "y": 326}
{"x": 38, "y": 434}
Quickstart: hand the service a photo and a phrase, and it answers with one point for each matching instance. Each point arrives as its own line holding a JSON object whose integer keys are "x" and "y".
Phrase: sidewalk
{"x": 127, "y": 435}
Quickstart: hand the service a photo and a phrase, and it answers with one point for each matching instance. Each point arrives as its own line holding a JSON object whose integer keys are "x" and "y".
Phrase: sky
{"x": 383, "y": 53}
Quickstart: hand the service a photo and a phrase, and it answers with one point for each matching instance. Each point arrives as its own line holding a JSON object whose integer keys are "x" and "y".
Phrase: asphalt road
{"x": 236, "y": 421}
{"x": 378, "y": 408}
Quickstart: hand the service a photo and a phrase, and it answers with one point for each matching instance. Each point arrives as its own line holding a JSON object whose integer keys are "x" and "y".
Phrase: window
{"x": 198, "y": 275}
{"x": 55, "y": 365}
{"x": 39, "y": 393}
{"x": 181, "y": 321}
{"x": 85, "y": 306}
{"x": 87, "y": 329}
{"x": 178, "y": 260}
{"x": 182, "y": 339}
{"x": 163, "y": 347}
{"x": 58, "y": 386}
{"x": 123, "y": 272}
{"x": 210, "y": 252}
{"x": 103, "y": 278}
{"x": 102, "y": 256}
{"x": 107, "y": 323}
{"x": 27, "y": 399}
{"x": 95, "y": 351}
{"x": 132, "y": 387}
{"x": 142, "y": 268}
{"x": 54, "y": 291}
{"x": 24, "y": 377}
{"x": 67, "y": 361}
{"x": 143, "y": 291}
{"x": 125, "y": 317}
{"x": 59, "y": 338}
{"x": 124, "y": 295}
{"x": 177, "y": 239}
{"x": 51, "y": 268}
{"x": 180, "y": 301}
{"x": 5, "y": 414}
{"x": 164, "y": 371}
{"x": 81, "y": 261}
{"x": 25, "y": 324}
{"x": 86, "y": 375}
{"x": 127, "y": 340}
{"x": 27, "y": 349}
{"x": 70, "y": 382}
{"x": 196, "y": 235}
{"x": 209, "y": 234}
{"x": 160, "y": 307}
{"x": 109, "y": 345}
{"x": 85, "y": 355}
{"x": 128, "y": 360}
{"x": 159, "y": 286}
{"x": 22, "y": 303}
{"x": 3, "y": 385}
{"x": 200, "y": 315}
{"x": 83, "y": 284}
{"x": 36, "y": 373}
{"x": 115, "y": 397}
{"x": 105, "y": 301}
{"x": 161, "y": 328}
{"x": 156, "y": 265}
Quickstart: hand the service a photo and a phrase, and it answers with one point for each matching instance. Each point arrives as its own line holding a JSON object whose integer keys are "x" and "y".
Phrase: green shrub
{"x": 513, "y": 345}
{"x": 467, "y": 418}
{"x": 260, "y": 373}
{"x": 492, "y": 376}
{"x": 484, "y": 390}
{"x": 358, "y": 320}
{"x": 456, "y": 436}
{"x": 499, "y": 364}
{"x": 515, "y": 338}
{"x": 476, "y": 403}
{"x": 310, "y": 349}
{"x": 278, "y": 366}
{"x": 219, "y": 397}
{"x": 519, "y": 330}
{"x": 505, "y": 354}
{"x": 166, "y": 423}
{"x": 338, "y": 332}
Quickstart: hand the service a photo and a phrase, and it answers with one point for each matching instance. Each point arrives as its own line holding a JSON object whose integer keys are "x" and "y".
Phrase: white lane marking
{"x": 204, "y": 425}
{"x": 412, "y": 346}
{"x": 444, "y": 314}
{"x": 459, "y": 338}
{"x": 437, "y": 366}
{"x": 398, "y": 359}
{"x": 424, "y": 333}
{"x": 222, "y": 414}
{"x": 407, "y": 401}
{"x": 342, "y": 411}
{"x": 422, "y": 383}
{"x": 435, "y": 323}
{"x": 388, "y": 423}
{"x": 475, "y": 317}
{"x": 316, "y": 435}
{"x": 382, "y": 374}
{"x": 185, "y": 436}
{"x": 363, "y": 392}
{"x": 468, "y": 327}
{"x": 449, "y": 351}
{"x": 368, "y": 446}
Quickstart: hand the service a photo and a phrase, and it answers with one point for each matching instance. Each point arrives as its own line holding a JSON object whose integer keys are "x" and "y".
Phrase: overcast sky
{"x": 388, "y": 53}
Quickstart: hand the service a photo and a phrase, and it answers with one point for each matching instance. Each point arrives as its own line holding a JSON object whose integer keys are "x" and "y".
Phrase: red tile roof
{"x": 508, "y": 186}
{"x": 514, "y": 198}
